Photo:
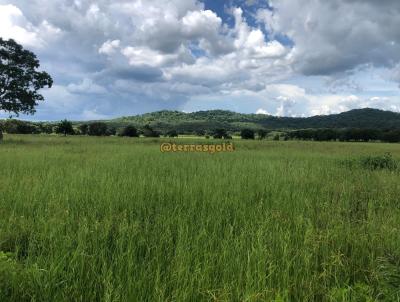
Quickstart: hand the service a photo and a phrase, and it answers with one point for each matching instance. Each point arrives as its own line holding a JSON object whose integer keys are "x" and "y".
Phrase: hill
{"x": 208, "y": 120}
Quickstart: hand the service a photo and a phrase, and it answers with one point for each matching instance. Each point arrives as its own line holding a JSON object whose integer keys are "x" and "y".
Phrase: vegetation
{"x": 172, "y": 133}
{"x": 97, "y": 129}
{"x": 19, "y": 79}
{"x": 65, "y": 128}
{"x": 129, "y": 131}
{"x": 148, "y": 131}
{"x": 88, "y": 219}
{"x": 365, "y": 135}
{"x": 233, "y": 126}
{"x": 262, "y": 134}
{"x": 235, "y": 122}
{"x": 247, "y": 134}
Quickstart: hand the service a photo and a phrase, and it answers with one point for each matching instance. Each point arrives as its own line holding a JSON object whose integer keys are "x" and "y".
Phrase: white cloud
{"x": 109, "y": 47}
{"x": 160, "y": 54}
{"x": 262, "y": 111}
{"x": 14, "y": 25}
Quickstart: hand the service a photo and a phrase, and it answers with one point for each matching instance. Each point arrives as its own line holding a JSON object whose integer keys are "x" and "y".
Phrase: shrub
{"x": 97, "y": 129}
{"x": 129, "y": 131}
{"x": 83, "y": 129}
{"x": 19, "y": 127}
{"x": 200, "y": 132}
{"x": 379, "y": 162}
{"x": 247, "y": 134}
{"x": 111, "y": 131}
{"x": 65, "y": 128}
{"x": 149, "y": 132}
{"x": 172, "y": 133}
{"x": 262, "y": 134}
{"x": 220, "y": 133}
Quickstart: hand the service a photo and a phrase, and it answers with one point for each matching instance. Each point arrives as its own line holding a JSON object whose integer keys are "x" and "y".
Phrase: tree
{"x": 97, "y": 129}
{"x": 129, "y": 131}
{"x": 65, "y": 128}
{"x": 45, "y": 128}
{"x": 220, "y": 133}
{"x": 149, "y": 132}
{"x": 262, "y": 134}
{"x": 111, "y": 131}
{"x": 247, "y": 134}
{"x": 200, "y": 132}
{"x": 12, "y": 126}
{"x": 19, "y": 79}
{"x": 84, "y": 128}
{"x": 172, "y": 133}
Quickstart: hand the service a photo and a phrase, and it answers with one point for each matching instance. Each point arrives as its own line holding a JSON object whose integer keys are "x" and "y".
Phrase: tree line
{"x": 66, "y": 127}
{"x": 346, "y": 135}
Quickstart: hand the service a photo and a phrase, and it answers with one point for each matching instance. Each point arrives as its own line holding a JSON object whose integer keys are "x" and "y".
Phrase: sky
{"x": 112, "y": 58}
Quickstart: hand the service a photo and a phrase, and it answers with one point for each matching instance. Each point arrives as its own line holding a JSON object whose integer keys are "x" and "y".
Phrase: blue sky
{"x": 287, "y": 57}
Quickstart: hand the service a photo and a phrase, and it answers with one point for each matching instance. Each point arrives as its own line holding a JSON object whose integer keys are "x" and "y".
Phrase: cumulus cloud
{"x": 14, "y": 25}
{"x": 338, "y": 35}
{"x": 125, "y": 57}
{"x": 262, "y": 111}
{"x": 109, "y": 47}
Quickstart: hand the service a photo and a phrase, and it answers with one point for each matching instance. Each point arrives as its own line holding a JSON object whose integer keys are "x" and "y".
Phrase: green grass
{"x": 114, "y": 219}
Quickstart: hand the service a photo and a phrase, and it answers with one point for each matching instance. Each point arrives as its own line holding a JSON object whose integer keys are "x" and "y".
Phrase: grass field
{"x": 113, "y": 219}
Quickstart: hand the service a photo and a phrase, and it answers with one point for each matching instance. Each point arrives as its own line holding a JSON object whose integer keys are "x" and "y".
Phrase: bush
{"x": 379, "y": 162}
{"x": 262, "y": 134}
{"x": 247, "y": 134}
{"x": 149, "y": 132}
{"x": 220, "y": 133}
{"x": 97, "y": 129}
{"x": 83, "y": 129}
{"x": 129, "y": 131}
{"x": 111, "y": 131}
{"x": 19, "y": 127}
{"x": 65, "y": 128}
{"x": 172, "y": 133}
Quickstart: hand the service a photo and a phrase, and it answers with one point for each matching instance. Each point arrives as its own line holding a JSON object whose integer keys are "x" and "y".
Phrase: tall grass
{"x": 112, "y": 219}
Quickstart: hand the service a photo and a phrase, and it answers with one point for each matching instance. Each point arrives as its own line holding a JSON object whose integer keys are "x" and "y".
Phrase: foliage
{"x": 129, "y": 131}
{"x": 373, "y": 162}
{"x": 19, "y": 79}
{"x": 97, "y": 129}
{"x": 209, "y": 120}
{"x": 83, "y": 129}
{"x": 262, "y": 134}
{"x": 65, "y": 128}
{"x": 12, "y": 126}
{"x": 220, "y": 133}
{"x": 172, "y": 133}
{"x": 346, "y": 135}
{"x": 148, "y": 131}
{"x": 247, "y": 134}
{"x": 379, "y": 162}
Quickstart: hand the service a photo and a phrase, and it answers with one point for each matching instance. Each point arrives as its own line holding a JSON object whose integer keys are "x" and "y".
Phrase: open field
{"x": 114, "y": 219}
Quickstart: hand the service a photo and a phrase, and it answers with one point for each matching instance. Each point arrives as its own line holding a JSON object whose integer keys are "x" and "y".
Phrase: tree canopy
{"x": 19, "y": 79}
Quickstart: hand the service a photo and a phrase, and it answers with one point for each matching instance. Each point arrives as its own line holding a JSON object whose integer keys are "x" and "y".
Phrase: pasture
{"x": 114, "y": 219}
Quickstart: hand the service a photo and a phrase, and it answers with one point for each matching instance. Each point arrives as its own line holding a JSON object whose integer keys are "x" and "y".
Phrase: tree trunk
{"x": 1, "y": 135}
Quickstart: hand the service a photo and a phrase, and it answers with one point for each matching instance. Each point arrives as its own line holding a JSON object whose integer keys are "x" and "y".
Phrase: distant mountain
{"x": 209, "y": 120}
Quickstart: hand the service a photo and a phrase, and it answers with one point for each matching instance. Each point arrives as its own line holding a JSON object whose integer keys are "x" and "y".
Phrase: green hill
{"x": 209, "y": 120}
